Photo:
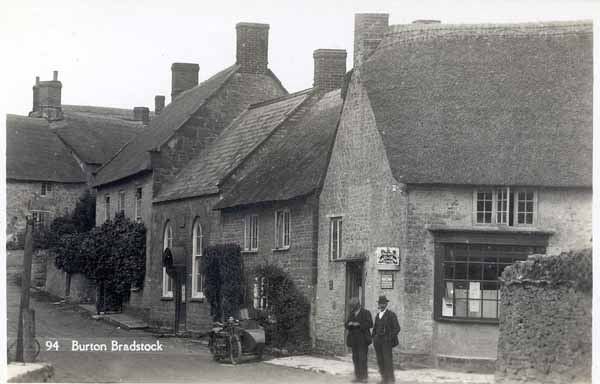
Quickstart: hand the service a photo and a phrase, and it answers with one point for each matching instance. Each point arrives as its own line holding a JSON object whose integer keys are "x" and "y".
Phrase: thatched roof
{"x": 294, "y": 161}
{"x": 203, "y": 174}
{"x": 35, "y": 153}
{"x": 485, "y": 104}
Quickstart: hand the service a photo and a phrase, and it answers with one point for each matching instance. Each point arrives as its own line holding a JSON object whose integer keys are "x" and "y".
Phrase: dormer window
{"x": 505, "y": 206}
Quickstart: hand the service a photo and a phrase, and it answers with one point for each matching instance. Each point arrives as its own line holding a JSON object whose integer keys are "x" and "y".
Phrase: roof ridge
{"x": 281, "y": 98}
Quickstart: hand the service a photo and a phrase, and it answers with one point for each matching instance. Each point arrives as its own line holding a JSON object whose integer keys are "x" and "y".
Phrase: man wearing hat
{"x": 385, "y": 337}
{"x": 359, "y": 326}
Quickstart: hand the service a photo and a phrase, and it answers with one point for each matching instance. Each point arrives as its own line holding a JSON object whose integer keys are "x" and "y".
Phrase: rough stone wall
{"x": 82, "y": 290}
{"x": 298, "y": 260}
{"x": 359, "y": 187}
{"x": 181, "y": 214}
{"x": 22, "y": 196}
{"x": 14, "y": 266}
{"x": 546, "y": 320}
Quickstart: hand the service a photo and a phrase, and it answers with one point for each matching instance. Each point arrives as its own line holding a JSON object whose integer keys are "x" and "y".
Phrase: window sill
{"x": 487, "y": 228}
{"x": 197, "y": 299}
{"x": 135, "y": 289}
{"x": 280, "y": 249}
{"x": 250, "y": 251}
{"x": 166, "y": 298}
{"x": 467, "y": 321}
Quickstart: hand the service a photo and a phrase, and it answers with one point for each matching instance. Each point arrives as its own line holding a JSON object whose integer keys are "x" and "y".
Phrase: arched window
{"x": 197, "y": 278}
{"x": 167, "y": 282}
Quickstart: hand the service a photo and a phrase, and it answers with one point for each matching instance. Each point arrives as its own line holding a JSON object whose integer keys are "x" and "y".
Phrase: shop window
{"x": 505, "y": 206}
{"x": 282, "y": 229}
{"x": 197, "y": 277}
{"x": 335, "y": 240}
{"x": 468, "y": 287}
{"x": 167, "y": 281}
{"x": 251, "y": 233}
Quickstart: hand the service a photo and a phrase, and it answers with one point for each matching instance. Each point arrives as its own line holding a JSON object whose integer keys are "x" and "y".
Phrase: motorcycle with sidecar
{"x": 235, "y": 339}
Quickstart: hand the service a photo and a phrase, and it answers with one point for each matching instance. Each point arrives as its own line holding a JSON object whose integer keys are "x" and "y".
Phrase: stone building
{"x": 182, "y": 130}
{"x": 52, "y": 153}
{"x": 257, "y": 185}
{"x": 460, "y": 149}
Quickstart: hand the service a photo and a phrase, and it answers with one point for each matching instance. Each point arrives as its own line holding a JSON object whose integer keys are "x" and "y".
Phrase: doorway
{"x": 354, "y": 284}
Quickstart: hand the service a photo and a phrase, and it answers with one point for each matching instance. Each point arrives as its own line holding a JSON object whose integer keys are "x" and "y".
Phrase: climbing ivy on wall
{"x": 224, "y": 275}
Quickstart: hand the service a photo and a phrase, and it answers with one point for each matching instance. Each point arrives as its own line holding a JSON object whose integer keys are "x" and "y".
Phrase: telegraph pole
{"x": 26, "y": 325}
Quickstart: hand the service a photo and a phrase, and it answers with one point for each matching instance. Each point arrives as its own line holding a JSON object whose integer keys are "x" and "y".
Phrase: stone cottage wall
{"x": 546, "y": 320}
{"x": 82, "y": 290}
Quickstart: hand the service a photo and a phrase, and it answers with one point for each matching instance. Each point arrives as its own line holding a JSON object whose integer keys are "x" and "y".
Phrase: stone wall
{"x": 546, "y": 320}
{"x": 359, "y": 188}
{"x": 23, "y": 196}
{"x": 82, "y": 290}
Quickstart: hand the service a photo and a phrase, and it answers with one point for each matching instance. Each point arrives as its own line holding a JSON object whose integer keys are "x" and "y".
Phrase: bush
{"x": 289, "y": 306}
{"x": 224, "y": 274}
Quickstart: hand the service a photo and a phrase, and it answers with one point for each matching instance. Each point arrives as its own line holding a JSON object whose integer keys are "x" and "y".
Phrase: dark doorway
{"x": 354, "y": 283}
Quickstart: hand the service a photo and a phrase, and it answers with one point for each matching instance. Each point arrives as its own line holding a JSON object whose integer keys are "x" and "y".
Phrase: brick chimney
{"x": 184, "y": 76}
{"x": 252, "y": 47}
{"x": 330, "y": 68}
{"x": 159, "y": 104}
{"x": 369, "y": 30}
{"x": 46, "y": 98}
{"x": 141, "y": 114}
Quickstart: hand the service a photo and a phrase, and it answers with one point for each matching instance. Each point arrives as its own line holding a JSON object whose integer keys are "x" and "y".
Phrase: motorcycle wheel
{"x": 235, "y": 349}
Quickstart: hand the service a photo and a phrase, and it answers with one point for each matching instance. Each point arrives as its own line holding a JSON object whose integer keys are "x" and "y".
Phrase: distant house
{"x": 460, "y": 149}
{"x": 52, "y": 153}
{"x": 184, "y": 128}
{"x": 256, "y": 185}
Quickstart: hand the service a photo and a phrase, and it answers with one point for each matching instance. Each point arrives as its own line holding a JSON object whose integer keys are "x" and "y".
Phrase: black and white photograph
{"x": 299, "y": 192}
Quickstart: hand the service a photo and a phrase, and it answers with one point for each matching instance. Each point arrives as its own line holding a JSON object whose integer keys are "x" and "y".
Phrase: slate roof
{"x": 134, "y": 157}
{"x": 95, "y": 137}
{"x": 485, "y": 104}
{"x": 203, "y": 174}
{"x": 294, "y": 161}
{"x": 119, "y": 113}
{"x": 35, "y": 153}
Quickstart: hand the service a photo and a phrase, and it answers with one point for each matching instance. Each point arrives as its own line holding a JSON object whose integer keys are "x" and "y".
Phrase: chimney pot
{"x": 369, "y": 30}
{"x": 252, "y": 49}
{"x": 159, "y": 104}
{"x": 330, "y": 68}
{"x": 55, "y": 76}
{"x": 37, "y": 80}
{"x": 183, "y": 77}
{"x": 141, "y": 114}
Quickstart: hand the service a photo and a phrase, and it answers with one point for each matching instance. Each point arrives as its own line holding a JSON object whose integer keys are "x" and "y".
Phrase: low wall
{"x": 14, "y": 266}
{"x": 82, "y": 290}
{"x": 545, "y": 332}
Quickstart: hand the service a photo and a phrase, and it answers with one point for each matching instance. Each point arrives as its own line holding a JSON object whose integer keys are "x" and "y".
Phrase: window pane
{"x": 475, "y": 271}
{"x": 449, "y": 270}
{"x": 490, "y": 271}
{"x": 460, "y": 271}
{"x": 460, "y": 289}
{"x": 489, "y": 309}
{"x": 460, "y": 308}
{"x": 340, "y": 238}
{"x": 475, "y": 308}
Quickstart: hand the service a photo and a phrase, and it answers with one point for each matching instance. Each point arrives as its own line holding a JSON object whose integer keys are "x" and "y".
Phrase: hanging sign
{"x": 387, "y": 258}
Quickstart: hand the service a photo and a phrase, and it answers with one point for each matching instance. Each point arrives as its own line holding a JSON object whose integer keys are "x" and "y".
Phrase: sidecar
{"x": 235, "y": 340}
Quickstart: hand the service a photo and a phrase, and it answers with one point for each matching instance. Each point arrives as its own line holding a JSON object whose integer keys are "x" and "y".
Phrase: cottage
{"x": 256, "y": 185}
{"x": 460, "y": 149}
{"x": 52, "y": 153}
{"x": 182, "y": 130}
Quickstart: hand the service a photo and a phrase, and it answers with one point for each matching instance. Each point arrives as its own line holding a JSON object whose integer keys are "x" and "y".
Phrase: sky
{"x": 119, "y": 53}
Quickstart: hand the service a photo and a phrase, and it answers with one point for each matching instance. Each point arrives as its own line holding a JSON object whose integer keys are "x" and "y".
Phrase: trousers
{"x": 383, "y": 350}
{"x": 359, "y": 358}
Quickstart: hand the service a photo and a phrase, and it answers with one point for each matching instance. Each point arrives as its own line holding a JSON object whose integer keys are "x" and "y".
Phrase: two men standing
{"x": 385, "y": 337}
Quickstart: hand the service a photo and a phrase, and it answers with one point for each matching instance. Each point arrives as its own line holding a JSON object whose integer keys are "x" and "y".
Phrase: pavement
{"x": 29, "y": 372}
{"x": 333, "y": 366}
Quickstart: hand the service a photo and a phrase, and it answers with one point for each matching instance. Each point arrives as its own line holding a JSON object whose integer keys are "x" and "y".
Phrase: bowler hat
{"x": 382, "y": 300}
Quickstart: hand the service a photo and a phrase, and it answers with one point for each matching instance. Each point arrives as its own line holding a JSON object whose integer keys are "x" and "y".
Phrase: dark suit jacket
{"x": 391, "y": 327}
{"x": 359, "y": 334}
